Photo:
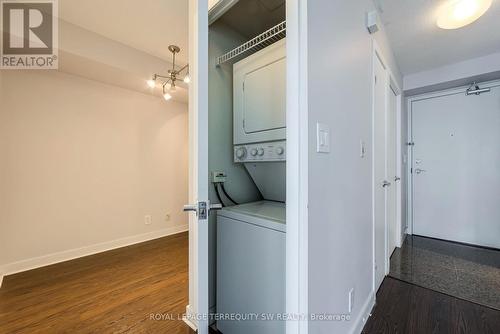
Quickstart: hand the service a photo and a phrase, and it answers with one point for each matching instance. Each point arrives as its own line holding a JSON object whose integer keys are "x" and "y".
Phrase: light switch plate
{"x": 322, "y": 138}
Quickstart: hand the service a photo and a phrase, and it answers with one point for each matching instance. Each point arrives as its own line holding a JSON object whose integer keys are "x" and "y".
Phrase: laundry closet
{"x": 247, "y": 164}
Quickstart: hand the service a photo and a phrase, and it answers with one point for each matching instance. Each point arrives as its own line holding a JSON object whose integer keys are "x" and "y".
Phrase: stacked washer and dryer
{"x": 251, "y": 237}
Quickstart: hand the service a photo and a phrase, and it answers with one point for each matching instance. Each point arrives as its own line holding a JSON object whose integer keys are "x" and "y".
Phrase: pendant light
{"x": 168, "y": 82}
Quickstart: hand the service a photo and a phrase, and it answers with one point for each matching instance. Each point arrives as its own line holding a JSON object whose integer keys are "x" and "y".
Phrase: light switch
{"x": 323, "y": 138}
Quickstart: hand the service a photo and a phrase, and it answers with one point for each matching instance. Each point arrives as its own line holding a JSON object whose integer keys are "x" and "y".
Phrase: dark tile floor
{"x": 404, "y": 308}
{"x": 462, "y": 271}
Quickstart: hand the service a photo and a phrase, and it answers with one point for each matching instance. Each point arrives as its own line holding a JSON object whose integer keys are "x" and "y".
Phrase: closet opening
{"x": 247, "y": 165}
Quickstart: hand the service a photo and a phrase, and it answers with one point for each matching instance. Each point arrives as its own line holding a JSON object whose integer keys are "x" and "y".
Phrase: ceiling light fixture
{"x": 459, "y": 13}
{"x": 168, "y": 82}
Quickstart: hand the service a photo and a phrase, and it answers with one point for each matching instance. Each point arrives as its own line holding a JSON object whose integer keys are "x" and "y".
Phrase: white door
{"x": 379, "y": 142}
{"x": 456, "y": 167}
{"x": 391, "y": 172}
{"x": 197, "y": 310}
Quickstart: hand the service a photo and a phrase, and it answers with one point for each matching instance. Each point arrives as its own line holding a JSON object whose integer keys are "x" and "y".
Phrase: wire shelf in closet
{"x": 259, "y": 42}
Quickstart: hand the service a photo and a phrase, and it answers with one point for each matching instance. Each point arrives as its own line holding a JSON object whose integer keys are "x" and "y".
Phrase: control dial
{"x": 260, "y": 151}
{"x": 280, "y": 150}
{"x": 241, "y": 152}
{"x": 253, "y": 151}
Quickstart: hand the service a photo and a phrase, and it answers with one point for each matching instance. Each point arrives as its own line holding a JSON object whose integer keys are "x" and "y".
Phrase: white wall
{"x": 220, "y": 108}
{"x": 83, "y": 162}
{"x": 453, "y": 75}
{"x": 340, "y": 183}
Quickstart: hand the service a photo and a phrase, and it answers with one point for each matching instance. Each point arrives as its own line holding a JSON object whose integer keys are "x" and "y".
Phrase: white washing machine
{"x": 251, "y": 267}
{"x": 251, "y": 237}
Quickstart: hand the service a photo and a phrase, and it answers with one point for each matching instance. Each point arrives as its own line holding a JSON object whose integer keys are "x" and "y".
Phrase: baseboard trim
{"x": 365, "y": 313}
{"x": 187, "y": 318}
{"x": 45, "y": 260}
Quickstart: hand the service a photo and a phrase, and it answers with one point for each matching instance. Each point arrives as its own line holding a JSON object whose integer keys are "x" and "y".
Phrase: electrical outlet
{"x": 167, "y": 217}
{"x": 218, "y": 177}
{"x": 351, "y": 299}
{"x": 148, "y": 220}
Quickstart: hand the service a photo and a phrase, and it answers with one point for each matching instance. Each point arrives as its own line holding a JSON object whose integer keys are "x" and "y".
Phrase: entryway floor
{"x": 404, "y": 308}
{"x": 466, "y": 272}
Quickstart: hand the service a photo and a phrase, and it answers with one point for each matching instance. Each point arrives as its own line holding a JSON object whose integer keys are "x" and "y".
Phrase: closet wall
{"x": 220, "y": 122}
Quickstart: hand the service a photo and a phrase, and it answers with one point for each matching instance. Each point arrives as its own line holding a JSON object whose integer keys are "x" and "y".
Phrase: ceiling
{"x": 149, "y": 26}
{"x": 252, "y": 17}
{"x": 420, "y": 45}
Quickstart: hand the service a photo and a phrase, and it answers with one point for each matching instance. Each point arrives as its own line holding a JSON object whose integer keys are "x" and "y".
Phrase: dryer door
{"x": 259, "y": 88}
{"x": 264, "y": 98}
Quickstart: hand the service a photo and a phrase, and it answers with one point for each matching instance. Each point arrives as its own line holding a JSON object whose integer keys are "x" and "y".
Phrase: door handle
{"x": 201, "y": 209}
{"x": 386, "y": 184}
{"x": 216, "y": 206}
{"x": 397, "y": 178}
{"x": 418, "y": 171}
{"x": 190, "y": 207}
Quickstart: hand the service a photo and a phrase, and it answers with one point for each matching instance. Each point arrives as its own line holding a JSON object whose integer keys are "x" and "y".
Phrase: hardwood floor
{"x": 120, "y": 291}
{"x": 409, "y": 309}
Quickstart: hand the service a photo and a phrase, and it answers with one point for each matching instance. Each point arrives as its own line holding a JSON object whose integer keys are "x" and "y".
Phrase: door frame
{"x": 297, "y": 272}
{"x": 297, "y": 159}
{"x": 393, "y": 85}
{"x": 198, "y": 308}
{"x": 409, "y": 105}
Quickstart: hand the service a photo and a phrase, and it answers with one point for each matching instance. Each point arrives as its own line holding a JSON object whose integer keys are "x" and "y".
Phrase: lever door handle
{"x": 397, "y": 178}
{"x": 190, "y": 207}
{"x": 386, "y": 184}
{"x": 216, "y": 206}
{"x": 418, "y": 171}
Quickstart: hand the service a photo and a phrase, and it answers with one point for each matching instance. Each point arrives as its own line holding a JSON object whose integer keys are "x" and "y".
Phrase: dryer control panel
{"x": 261, "y": 152}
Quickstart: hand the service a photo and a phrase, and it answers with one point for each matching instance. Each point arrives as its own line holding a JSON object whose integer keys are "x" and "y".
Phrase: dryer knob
{"x": 280, "y": 150}
{"x": 241, "y": 152}
{"x": 260, "y": 151}
{"x": 253, "y": 151}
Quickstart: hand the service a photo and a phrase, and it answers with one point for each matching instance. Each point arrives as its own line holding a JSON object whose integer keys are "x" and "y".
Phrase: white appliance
{"x": 251, "y": 267}
{"x": 259, "y": 93}
{"x": 251, "y": 237}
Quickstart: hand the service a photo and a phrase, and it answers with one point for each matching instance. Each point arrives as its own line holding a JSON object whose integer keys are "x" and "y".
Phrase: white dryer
{"x": 259, "y": 93}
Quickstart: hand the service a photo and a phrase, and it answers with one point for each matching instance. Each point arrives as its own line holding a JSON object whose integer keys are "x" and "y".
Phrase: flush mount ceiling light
{"x": 459, "y": 13}
{"x": 168, "y": 82}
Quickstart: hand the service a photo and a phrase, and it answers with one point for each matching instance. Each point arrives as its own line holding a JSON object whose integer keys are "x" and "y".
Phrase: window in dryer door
{"x": 264, "y": 101}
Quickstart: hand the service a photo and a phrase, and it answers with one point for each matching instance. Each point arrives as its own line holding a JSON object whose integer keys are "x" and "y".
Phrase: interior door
{"x": 391, "y": 172}
{"x": 455, "y": 167}
{"x": 379, "y": 165}
{"x": 199, "y": 206}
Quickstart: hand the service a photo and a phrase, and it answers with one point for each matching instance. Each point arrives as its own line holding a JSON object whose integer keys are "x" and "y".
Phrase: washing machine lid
{"x": 263, "y": 213}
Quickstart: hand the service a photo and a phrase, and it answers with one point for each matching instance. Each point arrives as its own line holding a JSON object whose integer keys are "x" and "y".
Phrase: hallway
{"x": 409, "y": 309}
{"x": 437, "y": 286}
{"x": 463, "y": 271}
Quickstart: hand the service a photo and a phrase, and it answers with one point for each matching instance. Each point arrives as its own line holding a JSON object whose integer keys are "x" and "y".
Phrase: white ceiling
{"x": 149, "y": 26}
{"x": 420, "y": 45}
